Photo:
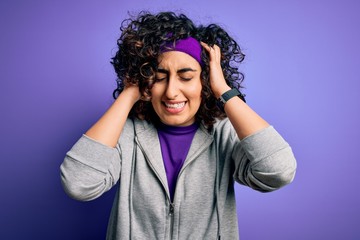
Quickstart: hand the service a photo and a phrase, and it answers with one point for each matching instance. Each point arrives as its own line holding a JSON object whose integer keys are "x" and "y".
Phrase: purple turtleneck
{"x": 175, "y": 144}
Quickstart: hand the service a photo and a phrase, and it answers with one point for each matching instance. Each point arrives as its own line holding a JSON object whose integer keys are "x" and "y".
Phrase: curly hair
{"x": 136, "y": 60}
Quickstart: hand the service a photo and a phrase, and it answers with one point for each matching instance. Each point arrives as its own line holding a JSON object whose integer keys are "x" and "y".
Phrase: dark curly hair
{"x": 136, "y": 61}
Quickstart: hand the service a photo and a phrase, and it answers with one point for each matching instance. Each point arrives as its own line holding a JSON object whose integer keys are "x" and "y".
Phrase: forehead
{"x": 177, "y": 59}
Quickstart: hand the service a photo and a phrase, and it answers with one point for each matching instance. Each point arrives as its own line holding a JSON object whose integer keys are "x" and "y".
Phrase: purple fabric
{"x": 175, "y": 144}
{"x": 187, "y": 45}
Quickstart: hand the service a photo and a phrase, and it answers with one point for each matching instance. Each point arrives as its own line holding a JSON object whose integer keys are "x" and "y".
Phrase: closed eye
{"x": 186, "y": 78}
{"x": 157, "y": 79}
{"x": 160, "y": 76}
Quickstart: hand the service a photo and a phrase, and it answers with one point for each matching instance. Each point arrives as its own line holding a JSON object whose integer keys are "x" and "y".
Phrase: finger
{"x": 216, "y": 48}
{"x": 212, "y": 50}
{"x": 206, "y": 46}
{"x": 217, "y": 52}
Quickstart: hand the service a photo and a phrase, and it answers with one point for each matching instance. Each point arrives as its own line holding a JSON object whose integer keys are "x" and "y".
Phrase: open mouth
{"x": 175, "y": 105}
{"x": 174, "y": 108}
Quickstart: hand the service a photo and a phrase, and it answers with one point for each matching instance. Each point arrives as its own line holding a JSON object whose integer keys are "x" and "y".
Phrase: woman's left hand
{"x": 217, "y": 80}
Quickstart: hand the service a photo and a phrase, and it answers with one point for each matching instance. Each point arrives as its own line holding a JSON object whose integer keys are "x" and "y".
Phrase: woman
{"x": 177, "y": 136}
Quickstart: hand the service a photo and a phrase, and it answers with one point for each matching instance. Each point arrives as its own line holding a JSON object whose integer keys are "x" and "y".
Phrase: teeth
{"x": 175, "y": 105}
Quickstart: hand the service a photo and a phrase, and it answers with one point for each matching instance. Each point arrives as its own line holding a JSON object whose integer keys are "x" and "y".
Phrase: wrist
{"x": 229, "y": 94}
{"x": 220, "y": 91}
{"x": 131, "y": 94}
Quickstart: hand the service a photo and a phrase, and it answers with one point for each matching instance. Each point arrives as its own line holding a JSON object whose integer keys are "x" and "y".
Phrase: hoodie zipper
{"x": 172, "y": 205}
{"x": 171, "y": 215}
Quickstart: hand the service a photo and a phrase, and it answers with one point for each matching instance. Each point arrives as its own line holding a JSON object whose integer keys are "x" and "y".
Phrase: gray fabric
{"x": 141, "y": 209}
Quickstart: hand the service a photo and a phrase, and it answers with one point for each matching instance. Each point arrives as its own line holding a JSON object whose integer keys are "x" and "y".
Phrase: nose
{"x": 172, "y": 88}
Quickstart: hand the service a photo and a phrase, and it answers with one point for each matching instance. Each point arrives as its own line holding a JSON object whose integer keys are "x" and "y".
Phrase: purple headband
{"x": 187, "y": 45}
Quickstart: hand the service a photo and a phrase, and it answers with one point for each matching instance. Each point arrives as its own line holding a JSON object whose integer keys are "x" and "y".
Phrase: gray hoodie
{"x": 204, "y": 202}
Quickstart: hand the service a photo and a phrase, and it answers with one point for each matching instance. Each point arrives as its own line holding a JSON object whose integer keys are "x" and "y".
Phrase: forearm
{"x": 108, "y": 128}
{"x": 245, "y": 120}
{"x": 242, "y": 117}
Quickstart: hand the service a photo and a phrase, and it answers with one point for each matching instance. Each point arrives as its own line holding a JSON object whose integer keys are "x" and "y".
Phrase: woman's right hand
{"x": 132, "y": 91}
{"x": 108, "y": 128}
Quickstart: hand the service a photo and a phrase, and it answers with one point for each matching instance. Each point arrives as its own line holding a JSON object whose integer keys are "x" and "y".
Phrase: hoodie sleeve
{"x": 264, "y": 161}
{"x": 90, "y": 169}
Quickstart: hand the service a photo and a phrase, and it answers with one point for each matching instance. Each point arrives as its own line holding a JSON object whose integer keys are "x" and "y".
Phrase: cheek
{"x": 155, "y": 91}
{"x": 195, "y": 92}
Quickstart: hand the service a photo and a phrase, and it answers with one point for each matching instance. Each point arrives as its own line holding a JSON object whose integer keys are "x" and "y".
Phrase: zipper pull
{"x": 171, "y": 211}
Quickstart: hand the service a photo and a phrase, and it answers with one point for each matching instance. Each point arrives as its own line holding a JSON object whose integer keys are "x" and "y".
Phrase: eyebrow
{"x": 182, "y": 70}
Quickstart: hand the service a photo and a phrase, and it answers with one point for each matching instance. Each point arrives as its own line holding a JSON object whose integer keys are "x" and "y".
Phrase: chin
{"x": 176, "y": 122}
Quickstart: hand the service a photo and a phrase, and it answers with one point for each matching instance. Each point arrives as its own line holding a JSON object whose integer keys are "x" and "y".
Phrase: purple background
{"x": 302, "y": 75}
